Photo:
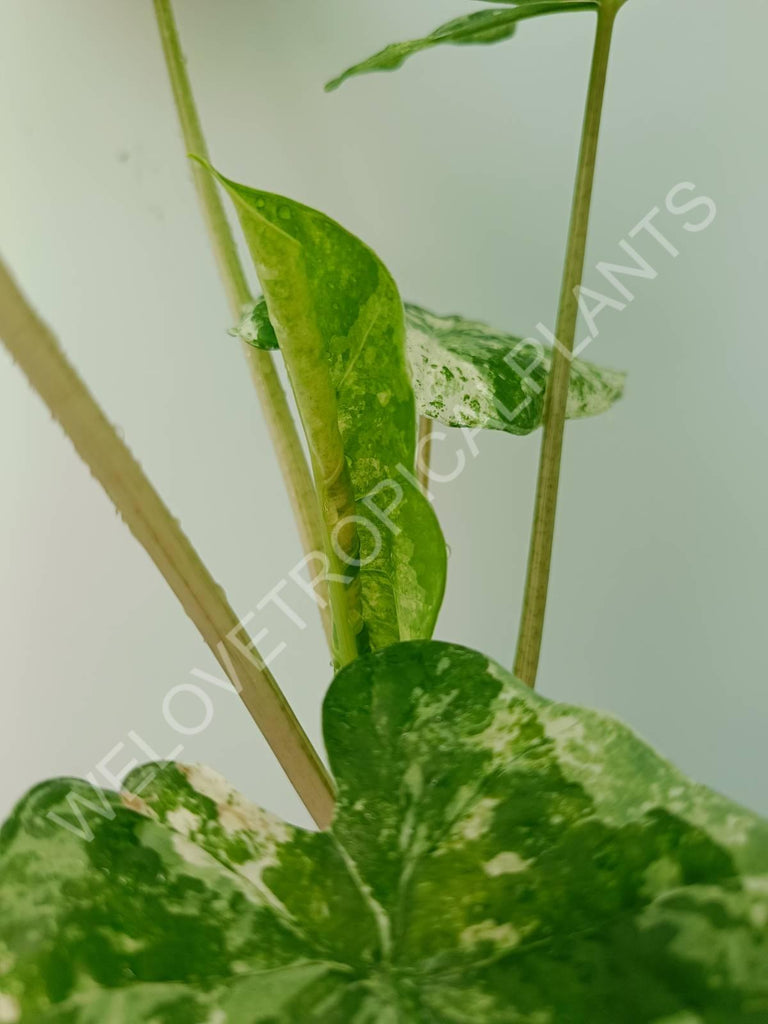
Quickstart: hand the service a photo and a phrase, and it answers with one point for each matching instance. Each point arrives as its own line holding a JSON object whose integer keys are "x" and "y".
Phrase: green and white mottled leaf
{"x": 339, "y": 319}
{"x": 495, "y": 858}
{"x": 488, "y": 26}
{"x": 467, "y": 374}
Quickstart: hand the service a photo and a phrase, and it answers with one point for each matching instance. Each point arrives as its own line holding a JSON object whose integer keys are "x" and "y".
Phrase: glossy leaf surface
{"x": 495, "y": 858}
{"x": 340, "y": 323}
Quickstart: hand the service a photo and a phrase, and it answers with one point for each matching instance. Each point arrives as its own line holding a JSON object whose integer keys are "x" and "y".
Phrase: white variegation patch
{"x": 208, "y": 782}
{"x": 190, "y": 852}
{"x": 501, "y": 736}
{"x": 500, "y": 935}
{"x": 506, "y": 863}
{"x": 449, "y": 389}
{"x": 10, "y": 1011}
{"x": 183, "y": 821}
{"x": 135, "y": 803}
{"x": 478, "y": 821}
{"x": 564, "y": 728}
{"x": 234, "y": 813}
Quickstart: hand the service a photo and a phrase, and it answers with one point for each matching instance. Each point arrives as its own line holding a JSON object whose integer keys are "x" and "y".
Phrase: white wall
{"x": 458, "y": 171}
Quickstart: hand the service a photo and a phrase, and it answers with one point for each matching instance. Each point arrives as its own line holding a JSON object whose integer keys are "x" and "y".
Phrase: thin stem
{"x": 35, "y": 349}
{"x": 540, "y": 556}
{"x": 424, "y": 453}
{"x": 282, "y": 429}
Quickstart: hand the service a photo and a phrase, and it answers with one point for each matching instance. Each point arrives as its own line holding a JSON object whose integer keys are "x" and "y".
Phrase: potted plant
{"x": 483, "y": 854}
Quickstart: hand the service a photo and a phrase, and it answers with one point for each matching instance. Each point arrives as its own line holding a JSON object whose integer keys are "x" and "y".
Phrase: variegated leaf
{"x": 467, "y": 374}
{"x": 495, "y": 858}
{"x": 340, "y": 321}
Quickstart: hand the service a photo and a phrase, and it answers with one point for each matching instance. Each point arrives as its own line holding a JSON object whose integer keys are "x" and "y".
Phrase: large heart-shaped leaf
{"x": 467, "y": 374}
{"x": 495, "y": 858}
{"x": 340, "y": 322}
{"x": 489, "y": 26}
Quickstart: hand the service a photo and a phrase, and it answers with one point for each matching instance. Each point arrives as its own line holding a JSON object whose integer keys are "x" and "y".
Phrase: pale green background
{"x": 458, "y": 171}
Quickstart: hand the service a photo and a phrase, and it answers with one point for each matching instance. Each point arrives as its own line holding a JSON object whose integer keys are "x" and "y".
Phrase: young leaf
{"x": 495, "y": 858}
{"x": 467, "y": 374}
{"x": 488, "y": 26}
{"x": 339, "y": 320}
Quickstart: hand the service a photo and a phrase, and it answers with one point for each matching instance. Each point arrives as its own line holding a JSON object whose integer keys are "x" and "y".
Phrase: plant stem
{"x": 424, "y": 453}
{"x": 540, "y": 556}
{"x": 35, "y": 349}
{"x": 280, "y": 422}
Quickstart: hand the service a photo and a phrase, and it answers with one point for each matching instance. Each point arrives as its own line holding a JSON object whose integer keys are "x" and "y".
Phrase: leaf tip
{"x": 205, "y": 164}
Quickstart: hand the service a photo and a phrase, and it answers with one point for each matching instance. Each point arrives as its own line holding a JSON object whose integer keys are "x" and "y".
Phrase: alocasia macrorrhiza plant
{"x": 484, "y": 854}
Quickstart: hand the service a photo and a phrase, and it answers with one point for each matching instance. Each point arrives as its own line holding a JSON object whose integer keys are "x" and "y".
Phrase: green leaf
{"x": 488, "y": 26}
{"x": 467, "y": 374}
{"x": 340, "y": 324}
{"x": 495, "y": 858}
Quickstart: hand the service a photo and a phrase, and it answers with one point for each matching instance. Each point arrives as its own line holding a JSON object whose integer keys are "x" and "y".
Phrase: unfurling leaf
{"x": 339, "y": 319}
{"x": 495, "y": 858}
{"x": 467, "y": 374}
{"x": 488, "y": 26}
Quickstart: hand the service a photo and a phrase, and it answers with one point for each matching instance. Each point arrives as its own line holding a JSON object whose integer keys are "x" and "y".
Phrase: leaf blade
{"x": 484, "y": 27}
{"x": 494, "y": 857}
{"x": 467, "y": 374}
{"x": 339, "y": 319}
